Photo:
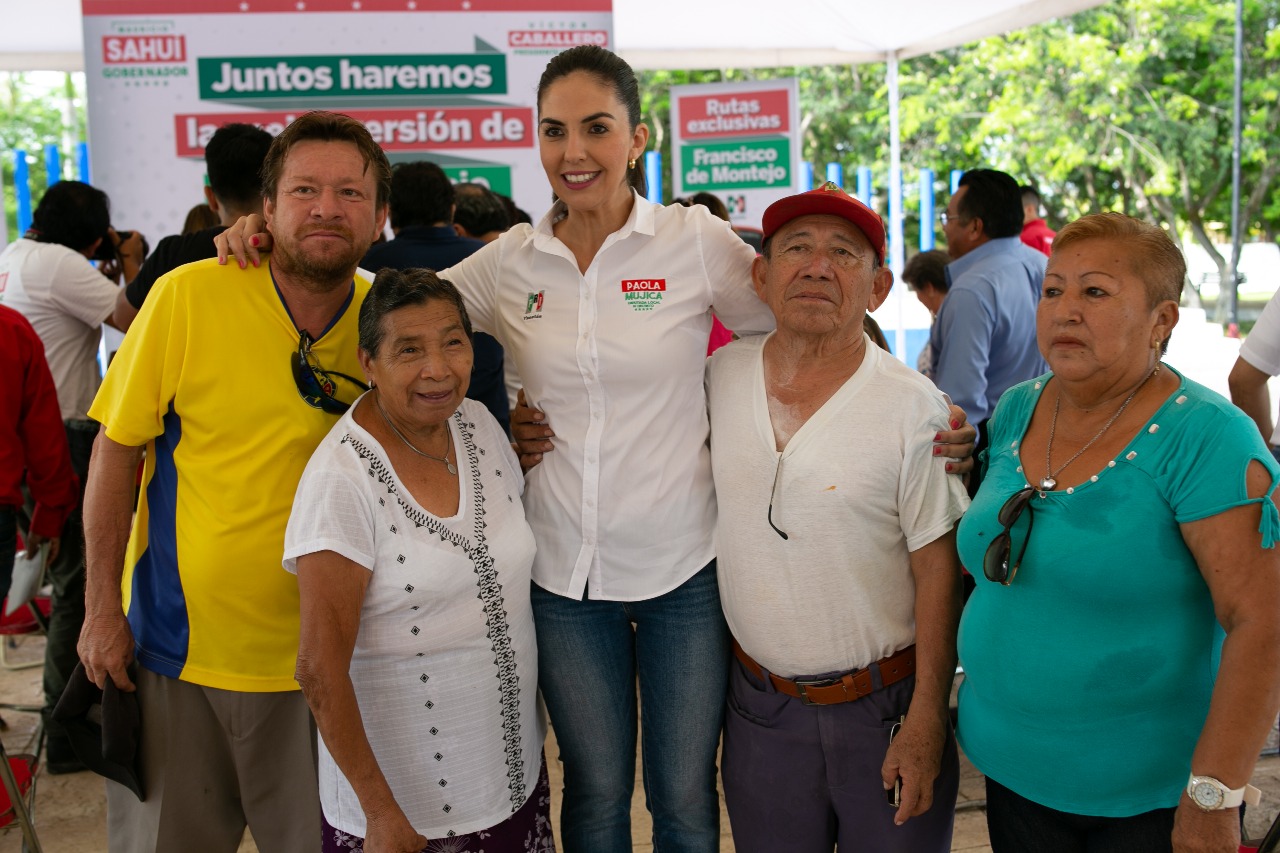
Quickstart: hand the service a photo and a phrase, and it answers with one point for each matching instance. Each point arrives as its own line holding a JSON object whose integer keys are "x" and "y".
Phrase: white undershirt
{"x": 858, "y": 489}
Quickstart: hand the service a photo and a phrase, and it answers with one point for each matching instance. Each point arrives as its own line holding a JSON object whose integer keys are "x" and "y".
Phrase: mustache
{"x": 340, "y": 230}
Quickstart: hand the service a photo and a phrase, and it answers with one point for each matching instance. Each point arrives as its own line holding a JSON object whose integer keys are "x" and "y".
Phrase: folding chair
{"x": 18, "y": 783}
{"x": 30, "y": 619}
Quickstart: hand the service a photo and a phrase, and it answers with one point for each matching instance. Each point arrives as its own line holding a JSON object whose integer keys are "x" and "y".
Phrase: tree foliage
{"x": 32, "y": 115}
{"x": 1125, "y": 107}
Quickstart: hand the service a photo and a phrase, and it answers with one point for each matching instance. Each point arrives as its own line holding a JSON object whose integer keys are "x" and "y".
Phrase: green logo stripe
{"x": 755, "y": 164}
{"x": 240, "y": 77}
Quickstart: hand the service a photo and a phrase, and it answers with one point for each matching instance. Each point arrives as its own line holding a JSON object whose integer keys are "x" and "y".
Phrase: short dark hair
{"x": 611, "y": 70}
{"x": 421, "y": 194}
{"x": 72, "y": 214}
{"x": 479, "y": 210}
{"x": 1030, "y": 195}
{"x": 514, "y": 213}
{"x": 393, "y": 289}
{"x": 927, "y": 268}
{"x": 326, "y": 127}
{"x": 993, "y": 197}
{"x": 233, "y": 159}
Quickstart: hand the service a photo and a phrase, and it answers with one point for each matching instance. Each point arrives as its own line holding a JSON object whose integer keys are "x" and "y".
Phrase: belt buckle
{"x": 803, "y": 686}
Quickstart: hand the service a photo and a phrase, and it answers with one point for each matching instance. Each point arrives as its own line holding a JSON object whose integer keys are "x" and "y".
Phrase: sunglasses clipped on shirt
{"x": 995, "y": 563}
{"x": 315, "y": 384}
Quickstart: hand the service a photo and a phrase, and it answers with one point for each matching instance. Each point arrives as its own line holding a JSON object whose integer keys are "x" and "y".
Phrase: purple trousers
{"x": 806, "y": 778}
{"x": 526, "y": 831}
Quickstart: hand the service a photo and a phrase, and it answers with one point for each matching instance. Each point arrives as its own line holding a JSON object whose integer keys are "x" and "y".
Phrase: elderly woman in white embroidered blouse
{"x": 417, "y": 651}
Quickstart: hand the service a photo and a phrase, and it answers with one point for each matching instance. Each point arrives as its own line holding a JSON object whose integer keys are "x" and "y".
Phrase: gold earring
{"x": 631, "y": 164}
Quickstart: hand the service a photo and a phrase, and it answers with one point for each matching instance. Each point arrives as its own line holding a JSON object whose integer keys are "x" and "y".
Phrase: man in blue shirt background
{"x": 984, "y": 340}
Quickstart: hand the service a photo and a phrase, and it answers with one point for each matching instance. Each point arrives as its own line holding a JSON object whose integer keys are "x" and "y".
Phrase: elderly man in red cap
{"x": 837, "y": 562}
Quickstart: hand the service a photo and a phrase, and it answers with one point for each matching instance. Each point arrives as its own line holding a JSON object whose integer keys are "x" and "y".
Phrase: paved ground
{"x": 71, "y": 816}
{"x": 70, "y": 810}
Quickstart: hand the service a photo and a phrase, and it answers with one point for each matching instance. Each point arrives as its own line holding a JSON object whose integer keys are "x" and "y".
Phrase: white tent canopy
{"x": 684, "y": 34}
{"x": 667, "y": 33}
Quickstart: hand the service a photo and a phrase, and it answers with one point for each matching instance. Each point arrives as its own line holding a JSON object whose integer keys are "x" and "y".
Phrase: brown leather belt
{"x": 844, "y": 688}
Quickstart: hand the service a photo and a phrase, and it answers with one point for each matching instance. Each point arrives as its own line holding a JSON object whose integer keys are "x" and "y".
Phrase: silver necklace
{"x": 400, "y": 435}
{"x": 1048, "y": 483}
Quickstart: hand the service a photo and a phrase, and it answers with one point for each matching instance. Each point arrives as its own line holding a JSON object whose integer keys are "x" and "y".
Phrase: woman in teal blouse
{"x": 1124, "y": 530}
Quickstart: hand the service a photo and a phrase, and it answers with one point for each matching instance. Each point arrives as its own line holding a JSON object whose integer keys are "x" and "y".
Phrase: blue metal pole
{"x": 864, "y": 185}
{"x": 956, "y": 174}
{"x": 926, "y": 210}
{"x": 53, "y": 163}
{"x": 806, "y": 176}
{"x": 653, "y": 173}
{"x": 82, "y": 162}
{"x": 22, "y": 187}
{"x": 835, "y": 174}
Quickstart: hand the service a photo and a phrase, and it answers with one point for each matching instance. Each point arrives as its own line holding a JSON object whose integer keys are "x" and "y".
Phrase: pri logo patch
{"x": 643, "y": 294}
{"x": 533, "y": 305}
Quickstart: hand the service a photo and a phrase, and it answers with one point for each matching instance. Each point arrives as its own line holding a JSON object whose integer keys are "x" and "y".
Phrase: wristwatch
{"x": 1210, "y": 795}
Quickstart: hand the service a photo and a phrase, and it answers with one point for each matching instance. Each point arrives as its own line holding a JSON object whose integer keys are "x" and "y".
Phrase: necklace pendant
{"x": 452, "y": 470}
{"x": 1048, "y": 483}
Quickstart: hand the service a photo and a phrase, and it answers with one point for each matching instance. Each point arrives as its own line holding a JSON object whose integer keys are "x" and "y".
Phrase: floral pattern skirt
{"x": 526, "y": 831}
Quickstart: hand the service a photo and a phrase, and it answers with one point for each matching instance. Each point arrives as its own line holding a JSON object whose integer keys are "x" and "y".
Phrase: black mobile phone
{"x": 894, "y": 795}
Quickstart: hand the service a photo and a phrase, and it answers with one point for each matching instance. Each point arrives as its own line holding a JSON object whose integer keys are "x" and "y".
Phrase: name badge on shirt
{"x": 533, "y": 305}
{"x": 643, "y": 294}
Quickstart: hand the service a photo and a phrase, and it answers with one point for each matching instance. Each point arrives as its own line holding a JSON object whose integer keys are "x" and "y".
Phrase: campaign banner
{"x": 738, "y": 141}
{"x": 454, "y": 83}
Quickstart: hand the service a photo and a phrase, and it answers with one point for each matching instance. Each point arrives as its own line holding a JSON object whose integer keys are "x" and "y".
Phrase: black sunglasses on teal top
{"x": 315, "y": 384}
{"x": 995, "y": 563}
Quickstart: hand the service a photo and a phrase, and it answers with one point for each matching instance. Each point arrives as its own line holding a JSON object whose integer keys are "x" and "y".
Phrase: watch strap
{"x": 1231, "y": 797}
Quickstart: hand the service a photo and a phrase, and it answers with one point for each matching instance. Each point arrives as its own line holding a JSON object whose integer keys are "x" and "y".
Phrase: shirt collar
{"x": 964, "y": 263}
{"x": 641, "y": 221}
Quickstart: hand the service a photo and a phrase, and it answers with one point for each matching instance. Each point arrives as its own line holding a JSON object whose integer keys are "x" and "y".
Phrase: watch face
{"x": 1206, "y": 795}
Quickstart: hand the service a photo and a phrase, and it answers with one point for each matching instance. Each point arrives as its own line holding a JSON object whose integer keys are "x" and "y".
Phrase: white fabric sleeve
{"x": 1262, "y": 347}
{"x": 727, "y": 260}
{"x": 78, "y": 289}
{"x": 476, "y": 278}
{"x": 332, "y": 510}
{"x": 930, "y": 500}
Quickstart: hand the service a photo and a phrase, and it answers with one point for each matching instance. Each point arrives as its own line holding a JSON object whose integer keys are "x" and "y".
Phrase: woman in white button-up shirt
{"x": 605, "y": 306}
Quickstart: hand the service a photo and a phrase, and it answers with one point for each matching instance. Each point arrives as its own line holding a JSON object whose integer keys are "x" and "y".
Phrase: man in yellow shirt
{"x": 229, "y": 379}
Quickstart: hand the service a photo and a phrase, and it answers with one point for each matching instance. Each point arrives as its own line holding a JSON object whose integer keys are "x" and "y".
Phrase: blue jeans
{"x": 589, "y": 655}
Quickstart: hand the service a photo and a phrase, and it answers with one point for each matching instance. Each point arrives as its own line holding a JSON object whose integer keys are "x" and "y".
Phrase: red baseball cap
{"x": 832, "y": 200}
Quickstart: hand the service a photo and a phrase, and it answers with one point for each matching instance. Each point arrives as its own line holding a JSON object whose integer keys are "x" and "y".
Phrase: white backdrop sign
{"x": 452, "y": 82}
{"x": 739, "y": 141}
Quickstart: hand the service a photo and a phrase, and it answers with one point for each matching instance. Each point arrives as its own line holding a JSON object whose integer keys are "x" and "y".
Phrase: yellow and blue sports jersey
{"x": 205, "y": 380}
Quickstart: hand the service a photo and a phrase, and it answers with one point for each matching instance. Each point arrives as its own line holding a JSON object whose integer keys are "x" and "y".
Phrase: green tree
{"x": 31, "y": 117}
{"x": 1123, "y": 107}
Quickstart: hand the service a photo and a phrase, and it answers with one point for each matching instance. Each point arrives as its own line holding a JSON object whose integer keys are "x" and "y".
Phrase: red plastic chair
{"x": 18, "y": 795}
{"x": 32, "y": 618}
{"x": 18, "y": 771}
